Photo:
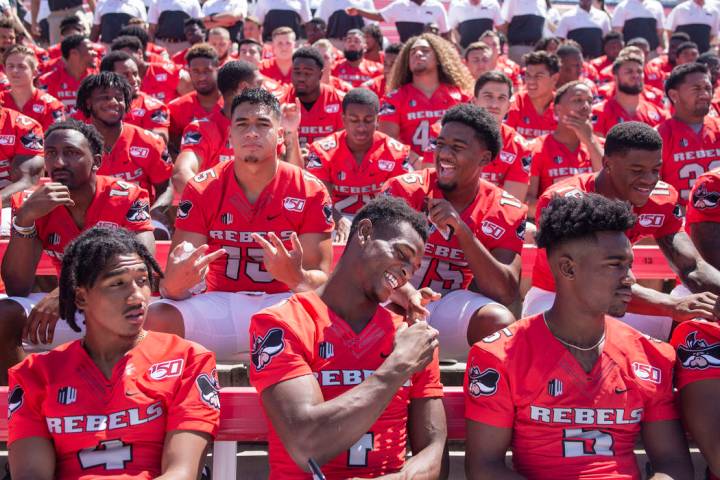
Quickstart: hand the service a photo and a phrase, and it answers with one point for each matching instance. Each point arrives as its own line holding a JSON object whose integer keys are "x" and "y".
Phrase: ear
{"x": 485, "y": 158}
{"x": 673, "y": 95}
{"x": 567, "y": 267}
{"x": 280, "y": 135}
{"x": 555, "y": 77}
{"x": 80, "y": 298}
{"x": 364, "y": 231}
{"x": 97, "y": 161}
{"x": 606, "y": 163}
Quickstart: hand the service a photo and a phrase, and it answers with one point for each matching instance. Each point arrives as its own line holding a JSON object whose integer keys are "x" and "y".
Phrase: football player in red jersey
{"x": 74, "y": 200}
{"x": 509, "y": 170}
{"x": 261, "y": 227}
{"x": 279, "y": 67}
{"x": 691, "y": 138}
{"x": 571, "y": 149}
{"x": 334, "y": 363}
{"x": 473, "y": 253}
{"x": 613, "y": 42}
{"x": 572, "y": 66}
{"x": 428, "y": 78}
{"x": 631, "y": 169}
{"x": 628, "y": 102}
{"x": 657, "y": 69}
{"x": 355, "y": 162}
{"x": 21, "y": 154}
{"x": 355, "y": 68}
{"x": 378, "y": 85}
{"x": 20, "y": 65}
{"x": 127, "y": 403}
{"x": 153, "y": 52}
{"x": 531, "y": 112}
{"x": 205, "y": 99}
{"x": 320, "y": 113}
{"x": 329, "y": 54}
{"x": 205, "y": 143}
{"x": 649, "y": 93}
{"x": 145, "y": 111}
{"x": 570, "y": 390}
{"x": 500, "y": 61}
{"x": 78, "y": 62}
{"x": 130, "y": 153}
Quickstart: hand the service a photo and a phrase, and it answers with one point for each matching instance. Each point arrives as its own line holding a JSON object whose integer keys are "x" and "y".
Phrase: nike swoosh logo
{"x": 620, "y": 390}
{"x": 273, "y": 217}
{"x": 385, "y": 355}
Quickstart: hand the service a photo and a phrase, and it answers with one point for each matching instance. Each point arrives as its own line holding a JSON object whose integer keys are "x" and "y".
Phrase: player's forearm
{"x": 292, "y": 149}
{"x": 427, "y": 464}
{"x": 164, "y": 197}
{"x": 596, "y": 153}
{"x": 34, "y": 9}
{"x": 308, "y": 280}
{"x": 703, "y": 278}
{"x": 370, "y": 15}
{"x": 18, "y": 265}
{"x": 186, "y": 167}
{"x": 647, "y": 301}
{"x": 19, "y": 186}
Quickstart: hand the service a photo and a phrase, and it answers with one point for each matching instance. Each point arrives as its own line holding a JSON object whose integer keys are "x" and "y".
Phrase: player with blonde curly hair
{"x": 428, "y": 78}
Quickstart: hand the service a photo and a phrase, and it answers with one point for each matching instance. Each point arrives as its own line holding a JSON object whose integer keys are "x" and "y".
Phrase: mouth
{"x": 446, "y": 170}
{"x": 643, "y": 190}
{"x": 625, "y": 294}
{"x": 59, "y": 175}
{"x": 391, "y": 280}
{"x": 136, "y": 315}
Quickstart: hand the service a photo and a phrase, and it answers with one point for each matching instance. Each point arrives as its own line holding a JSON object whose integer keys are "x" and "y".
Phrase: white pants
{"x": 5, "y": 223}
{"x": 63, "y": 332}
{"x": 220, "y": 321}
{"x": 538, "y": 300}
{"x": 451, "y": 316}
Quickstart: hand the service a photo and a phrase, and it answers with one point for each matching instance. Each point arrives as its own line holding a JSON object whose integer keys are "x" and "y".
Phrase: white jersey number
{"x": 421, "y": 137}
{"x": 578, "y": 442}
{"x": 253, "y": 266}
{"x": 358, "y": 453}
{"x": 111, "y": 454}
{"x": 691, "y": 172}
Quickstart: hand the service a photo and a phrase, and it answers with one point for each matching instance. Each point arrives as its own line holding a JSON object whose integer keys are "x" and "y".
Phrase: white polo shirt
{"x": 134, "y": 8}
{"x": 431, "y": 11}
{"x": 328, "y": 7}
{"x": 236, "y": 7}
{"x": 463, "y": 11}
{"x": 579, "y": 18}
{"x": 631, "y": 9}
{"x": 301, "y": 7}
{"x": 515, "y": 8}
{"x": 191, "y": 7}
{"x": 690, "y": 13}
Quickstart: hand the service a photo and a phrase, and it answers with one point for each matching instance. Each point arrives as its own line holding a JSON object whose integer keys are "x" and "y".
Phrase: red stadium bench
{"x": 242, "y": 420}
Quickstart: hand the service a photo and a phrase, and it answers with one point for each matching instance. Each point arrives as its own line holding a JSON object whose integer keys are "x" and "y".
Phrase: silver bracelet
{"x": 23, "y": 230}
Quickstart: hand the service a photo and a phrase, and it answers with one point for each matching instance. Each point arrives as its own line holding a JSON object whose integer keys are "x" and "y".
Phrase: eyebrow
{"x": 123, "y": 270}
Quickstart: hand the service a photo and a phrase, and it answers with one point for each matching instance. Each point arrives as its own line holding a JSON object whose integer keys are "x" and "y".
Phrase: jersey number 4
{"x": 110, "y": 454}
{"x": 580, "y": 442}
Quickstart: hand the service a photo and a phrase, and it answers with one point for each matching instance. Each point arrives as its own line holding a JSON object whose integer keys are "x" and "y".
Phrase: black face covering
{"x": 352, "y": 55}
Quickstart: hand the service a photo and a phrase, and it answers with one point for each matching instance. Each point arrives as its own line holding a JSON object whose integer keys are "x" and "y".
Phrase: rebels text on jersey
{"x": 412, "y": 111}
{"x": 568, "y": 423}
{"x": 323, "y": 119}
{"x": 19, "y": 135}
{"x": 209, "y": 139}
{"x": 662, "y": 215}
{"x": 214, "y": 205}
{"x": 523, "y": 117}
{"x": 116, "y": 204}
{"x": 686, "y": 155}
{"x": 103, "y": 428}
{"x": 512, "y": 163}
{"x": 302, "y": 336}
{"x": 495, "y": 217}
{"x": 353, "y": 184}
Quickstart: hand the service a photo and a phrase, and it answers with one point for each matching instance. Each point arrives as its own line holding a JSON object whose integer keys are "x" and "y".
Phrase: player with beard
{"x": 473, "y": 251}
{"x": 509, "y": 170}
{"x": 329, "y": 54}
{"x": 428, "y": 79}
{"x": 691, "y": 138}
{"x": 205, "y": 99}
{"x": 631, "y": 171}
{"x": 355, "y": 68}
{"x": 130, "y": 153}
{"x": 155, "y": 396}
{"x": 571, "y": 389}
{"x": 571, "y": 149}
{"x": 145, "y": 111}
{"x": 47, "y": 218}
{"x": 628, "y": 103}
{"x": 320, "y": 113}
{"x": 608, "y": 89}
{"x": 261, "y": 227}
{"x": 374, "y": 386}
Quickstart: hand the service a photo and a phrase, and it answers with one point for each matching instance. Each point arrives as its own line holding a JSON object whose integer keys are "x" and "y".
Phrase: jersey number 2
{"x": 358, "y": 453}
{"x": 111, "y": 454}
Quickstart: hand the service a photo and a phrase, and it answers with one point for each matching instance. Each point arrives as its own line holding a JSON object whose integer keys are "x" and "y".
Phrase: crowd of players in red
{"x": 427, "y": 163}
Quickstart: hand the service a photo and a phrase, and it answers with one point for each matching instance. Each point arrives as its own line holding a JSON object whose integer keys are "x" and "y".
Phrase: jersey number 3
{"x": 111, "y": 454}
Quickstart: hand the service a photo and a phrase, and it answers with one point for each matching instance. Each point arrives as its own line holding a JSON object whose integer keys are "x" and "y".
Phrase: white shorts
{"x": 5, "y": 222}
{"x": 63, "y": 332}
{"x": 450, "y": 316}
{"x": 220, "y": 321}
{"x": 538, "y": 300}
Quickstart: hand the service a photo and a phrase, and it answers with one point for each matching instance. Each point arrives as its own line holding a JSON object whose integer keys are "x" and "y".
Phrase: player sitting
{"x": 335, "y": 364}
{"x": 127, "y": 403}
{"x": 570, "y": 390}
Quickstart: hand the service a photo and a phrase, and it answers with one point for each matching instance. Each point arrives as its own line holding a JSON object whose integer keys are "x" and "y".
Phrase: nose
{"x": 629, "y": 278}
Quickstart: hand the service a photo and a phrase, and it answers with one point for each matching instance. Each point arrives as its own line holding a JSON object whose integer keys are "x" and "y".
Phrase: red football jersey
{"x": 354, "y": 185}
{"x": 552, "y": 161}
{"x": 302, "y": 336}
{"x": 649, "y": 93}
{"x": 116, "y": 204}
{"x": 657, "y": 70}
{"x": 415, "y": 113}
{"x": 704, "y": 202}
{"x": 147, "y": 112}
{"x": 510, "y": 69}
{"x": 269, "y": 68}
{"x": 139, "y": 156}
{"x": 61, "y": 85}
{"x": 609, "y": 113}
{"x": 209, "y": 139}
{"x": 214, "y": 205}
{"x": 513, "y": 162}
{"x": 601, "y": 63}
{"x": 496, "y": 218}
{"x": 42, "y": 107}
{"x": 660, "y": 216}
{"x": 186, "y": 109}
{"x": 161, "y": 81}
{"x": 686, "y": 154}
{"x": 356, "y": 76}
{"x": 698, "y": 352}
{"x": 376, "y": 85}
{"x": 324, "y": 118}
{"x": 19, "y": 135}
{"x": 568, "y": 423}
{"x": 114, "y": 428}
{"x": 523, "y": 117}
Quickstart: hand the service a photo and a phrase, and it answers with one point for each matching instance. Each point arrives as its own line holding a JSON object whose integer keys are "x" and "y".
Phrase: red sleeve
{"x": 698, "y": 352}
{"x": 55, "y": 112}
{"x": 195, "y": 140}
{"x": 537, "y": 162}
{"x": 157, "y": 115}
{"x": 488, "y": 398}
{"x": 504, "y": 226}
{"x": 704, "y": 204}
{"x": 30, "y": 134}
{"x": 598, "y": 119}
{"x": 390, "y": 106}
{"x": 318, "y": 163}
{"x": 520, "y": 168}
{"x": 159, "y": 164}
{"x": 318, "y": 210}
{"x": 194, "y": 199}
{"x": 277, "y": 352}
{"x": 660, "y": 404}
{"x": 26, "y": 394}
{"x": 137, "y": 218}
{"x": 668, "y": 205}
{"x": 426, "y": 384}
{"x": 402, "y": 186}
{"x": 196, "y": 403}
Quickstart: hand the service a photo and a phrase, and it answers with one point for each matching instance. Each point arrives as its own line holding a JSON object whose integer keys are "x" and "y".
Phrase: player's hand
{"x": 414, "y": 348}
{"x": 43, "y": 201}
{"x": 697, "y": 305}
{"x": 342, "y": 230}
{"x": 443, "y": 214}
{"x": 284, "y": 266}
{"x": 40, "y": 326}
{"x": 352, "y": 11}
{"x": 291, "y": 113}
{"x": 416, "y": 310}
{"x": 35, "y": 30}
{"x": 581, "y": 126}
{"x": 186, "y": 268}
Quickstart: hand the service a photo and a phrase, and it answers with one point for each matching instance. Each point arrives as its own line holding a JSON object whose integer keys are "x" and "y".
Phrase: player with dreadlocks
{"x": 46, "y": 218}
{"x": 156, "y": 392}
{"x": 428, "y": 78}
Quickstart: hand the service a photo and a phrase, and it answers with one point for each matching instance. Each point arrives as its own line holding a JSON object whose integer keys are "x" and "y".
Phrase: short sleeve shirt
{"x": 19, "y": 135}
